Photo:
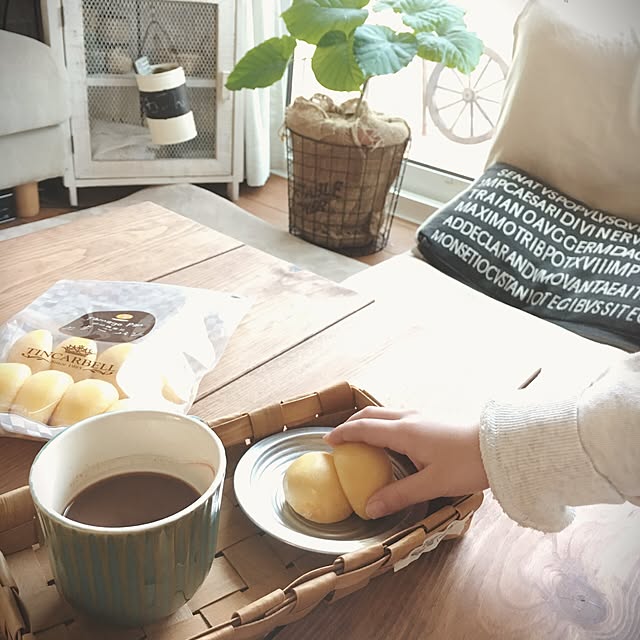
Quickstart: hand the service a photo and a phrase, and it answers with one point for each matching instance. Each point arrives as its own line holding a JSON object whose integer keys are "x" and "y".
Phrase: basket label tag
{"x": 455, "y": 528}
{"x": 142, "y": 66}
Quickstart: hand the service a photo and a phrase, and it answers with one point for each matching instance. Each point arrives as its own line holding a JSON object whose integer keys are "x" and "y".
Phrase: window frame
{"x": 425, "y": 189}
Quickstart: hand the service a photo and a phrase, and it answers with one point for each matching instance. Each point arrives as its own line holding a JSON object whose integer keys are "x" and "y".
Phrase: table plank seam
{"x": 197, "y": 262}
{"x": 282, "y": 352}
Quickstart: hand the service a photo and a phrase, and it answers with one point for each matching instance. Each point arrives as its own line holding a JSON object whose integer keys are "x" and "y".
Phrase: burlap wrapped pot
{"x": 345, "y": 172}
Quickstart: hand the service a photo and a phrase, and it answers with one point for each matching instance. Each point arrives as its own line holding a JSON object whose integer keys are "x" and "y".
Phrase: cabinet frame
{"x": 63, "y": 31}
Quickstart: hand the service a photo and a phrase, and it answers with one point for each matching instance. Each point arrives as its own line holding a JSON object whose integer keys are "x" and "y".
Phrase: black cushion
{"x": 530, "y": 246}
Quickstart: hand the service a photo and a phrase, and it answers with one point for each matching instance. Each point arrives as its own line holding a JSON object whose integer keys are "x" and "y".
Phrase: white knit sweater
{"x": 543, "y": 456}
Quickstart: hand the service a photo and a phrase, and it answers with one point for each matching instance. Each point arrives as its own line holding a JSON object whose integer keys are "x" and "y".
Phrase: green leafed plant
{"x": 349, "y": 51}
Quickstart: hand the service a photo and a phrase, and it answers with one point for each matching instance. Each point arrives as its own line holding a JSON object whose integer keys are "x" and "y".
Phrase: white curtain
{"x": 264, "y": 108}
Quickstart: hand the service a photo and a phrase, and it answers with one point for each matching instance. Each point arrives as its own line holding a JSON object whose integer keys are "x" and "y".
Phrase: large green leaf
{"x": 425, "y": 15}
{"x": 263, "y": 65}
{"x": 380, "y": 50}
{"x": 334, "y": 64}
{"x": 310, "y": 20}
{"x": 457, "y": 48}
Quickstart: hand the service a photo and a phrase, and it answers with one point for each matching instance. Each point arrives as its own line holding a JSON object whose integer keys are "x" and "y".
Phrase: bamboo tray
{"x": 256, "y": 584}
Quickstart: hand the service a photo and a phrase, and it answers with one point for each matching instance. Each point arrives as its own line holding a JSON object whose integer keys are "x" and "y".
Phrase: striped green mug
{"x": 130, "y": 575}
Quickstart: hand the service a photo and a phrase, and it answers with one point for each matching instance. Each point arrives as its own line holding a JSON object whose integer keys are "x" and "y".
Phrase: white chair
{"x": 34, "y": 109}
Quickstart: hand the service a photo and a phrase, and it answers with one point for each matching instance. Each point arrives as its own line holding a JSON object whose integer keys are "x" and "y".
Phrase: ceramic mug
{"x": 130, "y": 575}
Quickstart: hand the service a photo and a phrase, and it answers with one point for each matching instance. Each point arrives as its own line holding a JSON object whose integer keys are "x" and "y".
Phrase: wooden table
{"x": 425, "y": 342}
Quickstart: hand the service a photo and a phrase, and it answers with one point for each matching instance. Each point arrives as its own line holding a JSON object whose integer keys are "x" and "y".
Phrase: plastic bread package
{"x": 86, "y": 347}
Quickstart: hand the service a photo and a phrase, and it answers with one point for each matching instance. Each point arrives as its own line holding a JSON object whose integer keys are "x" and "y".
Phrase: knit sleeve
{"x": 544, "y": 456}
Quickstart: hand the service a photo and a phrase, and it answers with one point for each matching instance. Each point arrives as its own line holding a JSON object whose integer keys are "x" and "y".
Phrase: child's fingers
{"x": 382, "y": 413}
{"x": 378, "y": 433}
{"x": 403, "y": 493}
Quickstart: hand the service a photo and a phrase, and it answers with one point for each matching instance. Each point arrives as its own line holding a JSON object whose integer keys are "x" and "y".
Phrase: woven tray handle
{"x": 18, "y": 531}
{"x": 347, "y": 574}
{"x": 18, "y": 523}
{"x": 330, "y": 405}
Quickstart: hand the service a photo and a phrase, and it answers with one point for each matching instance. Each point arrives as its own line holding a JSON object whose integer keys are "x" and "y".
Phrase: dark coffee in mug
{"x": 130, "y": 499}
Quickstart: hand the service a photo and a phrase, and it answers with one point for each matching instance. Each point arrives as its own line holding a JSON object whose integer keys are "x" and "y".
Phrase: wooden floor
{"x": 268, "y": 203}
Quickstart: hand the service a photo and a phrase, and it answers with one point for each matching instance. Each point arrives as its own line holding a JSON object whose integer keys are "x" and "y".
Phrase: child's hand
{"x": 447, "y": 456}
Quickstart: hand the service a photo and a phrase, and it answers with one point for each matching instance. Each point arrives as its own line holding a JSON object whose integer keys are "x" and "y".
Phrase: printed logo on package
{"x": 111, "y": 326}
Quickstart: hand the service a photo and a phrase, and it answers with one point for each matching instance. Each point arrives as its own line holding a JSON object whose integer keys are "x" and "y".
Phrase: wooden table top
{"x": 426, "y": 342}
{"x": 149, "y": 243}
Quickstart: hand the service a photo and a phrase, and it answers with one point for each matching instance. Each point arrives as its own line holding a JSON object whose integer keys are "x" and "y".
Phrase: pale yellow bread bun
{"x": 82, "y": 400}
{"x": 110, "y": 361}
{"x": 175, "y": 388}
{"x": 12, "y": 376}
{"x": 127, "y": 404}
{"x": 362, "y": 470}
{"x": 177, "y": 379}
{"x": 312, "y": 489}
{"x": 33, "y": 349}
{"x": 40, "y": 394}
{"x": 139, "y": 373}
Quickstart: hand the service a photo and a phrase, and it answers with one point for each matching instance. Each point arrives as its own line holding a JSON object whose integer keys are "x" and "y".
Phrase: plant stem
{"x": 364, "y": 88}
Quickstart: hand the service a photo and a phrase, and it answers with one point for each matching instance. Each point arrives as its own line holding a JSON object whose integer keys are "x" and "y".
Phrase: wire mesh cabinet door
{"x": 101, "y": 41}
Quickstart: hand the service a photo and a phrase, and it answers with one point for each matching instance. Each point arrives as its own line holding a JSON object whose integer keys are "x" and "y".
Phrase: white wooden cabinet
{"x": 108, "y": 142}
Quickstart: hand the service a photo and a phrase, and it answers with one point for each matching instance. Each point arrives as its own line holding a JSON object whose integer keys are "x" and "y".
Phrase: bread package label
{"x": 111, "y": 326}
{"x": 88, "y": 347}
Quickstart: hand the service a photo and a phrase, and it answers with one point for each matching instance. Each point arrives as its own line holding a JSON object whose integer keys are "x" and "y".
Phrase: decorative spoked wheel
{"x": 466, "y": 107}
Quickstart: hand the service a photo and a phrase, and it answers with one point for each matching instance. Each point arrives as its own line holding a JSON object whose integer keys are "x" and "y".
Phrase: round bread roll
{"x": 126, "y": 404}
{"x": 173, "y": 393}
{"x": 362, "y": 470}
{"x": 111, "y": 360}
{"x": 33, "y": 349}
{"x": 312, "y": 489}
{"x": 12, "y": 376}
{"x": 82, "y": 400}
{"x": 75, "y": 356}
{"x": 40, "y": 394}
{"x": 140, "y": 373}
{"x": 177, "y": 380}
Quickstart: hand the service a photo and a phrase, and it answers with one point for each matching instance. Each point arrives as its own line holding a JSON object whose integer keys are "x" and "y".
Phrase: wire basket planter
{"x": 343, "y": 197}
